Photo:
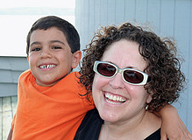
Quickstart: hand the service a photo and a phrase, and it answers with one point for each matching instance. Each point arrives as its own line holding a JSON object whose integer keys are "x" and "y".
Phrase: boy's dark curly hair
{"x": 163, "y": 67}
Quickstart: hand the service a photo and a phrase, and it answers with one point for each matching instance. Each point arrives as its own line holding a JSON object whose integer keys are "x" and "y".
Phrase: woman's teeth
{"x": 114, "y": 99}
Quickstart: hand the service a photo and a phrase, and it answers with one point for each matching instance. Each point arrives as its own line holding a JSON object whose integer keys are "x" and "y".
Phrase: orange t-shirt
{"x": 49, "y": 113}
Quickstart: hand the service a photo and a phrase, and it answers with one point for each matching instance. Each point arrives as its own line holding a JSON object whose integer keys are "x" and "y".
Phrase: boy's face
{"x": 50, "y": 56}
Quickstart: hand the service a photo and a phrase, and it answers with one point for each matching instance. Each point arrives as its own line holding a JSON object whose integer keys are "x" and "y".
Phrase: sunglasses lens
{"x": 106, "y": 69}
{"x": 132, "y": 76}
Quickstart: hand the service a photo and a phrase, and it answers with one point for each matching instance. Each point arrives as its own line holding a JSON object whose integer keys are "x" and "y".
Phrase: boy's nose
{"x": 46, "y": 53}
{"x": 117, "y": 81}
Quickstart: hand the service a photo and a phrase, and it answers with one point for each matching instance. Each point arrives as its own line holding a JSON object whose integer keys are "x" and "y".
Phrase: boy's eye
{"x": 36, "y": 49}
{"x": 57, "y": 47}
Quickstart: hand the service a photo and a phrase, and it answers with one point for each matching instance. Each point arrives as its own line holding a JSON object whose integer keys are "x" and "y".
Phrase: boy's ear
{"x": 76, "y": 58}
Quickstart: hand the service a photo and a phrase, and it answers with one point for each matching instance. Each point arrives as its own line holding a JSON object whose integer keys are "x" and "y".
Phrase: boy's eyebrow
{"x": 33, "y": 43}
{"x": 57, "y": 41}
{"x": 52, "y": 41}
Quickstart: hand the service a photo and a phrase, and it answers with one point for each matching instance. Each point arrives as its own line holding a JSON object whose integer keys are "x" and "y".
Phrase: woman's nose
{"x": 117, "y": 81}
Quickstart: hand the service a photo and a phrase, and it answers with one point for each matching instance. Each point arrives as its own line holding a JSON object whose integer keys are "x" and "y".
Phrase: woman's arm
{"x": 172, "y": 126}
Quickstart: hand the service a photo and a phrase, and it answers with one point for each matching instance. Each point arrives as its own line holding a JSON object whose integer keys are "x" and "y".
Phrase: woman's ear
{"x": 149, "y": 99}
{"x": 76, "y": 59}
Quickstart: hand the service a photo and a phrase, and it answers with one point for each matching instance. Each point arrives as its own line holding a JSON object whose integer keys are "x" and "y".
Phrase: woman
{"x": 131, "y": 73}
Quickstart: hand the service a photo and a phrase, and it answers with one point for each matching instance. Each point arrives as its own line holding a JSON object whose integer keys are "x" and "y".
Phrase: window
{"x": 17, "y": 17}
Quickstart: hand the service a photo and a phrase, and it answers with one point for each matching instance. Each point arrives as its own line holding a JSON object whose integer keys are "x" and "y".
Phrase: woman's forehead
{"x": 124, "y": 53}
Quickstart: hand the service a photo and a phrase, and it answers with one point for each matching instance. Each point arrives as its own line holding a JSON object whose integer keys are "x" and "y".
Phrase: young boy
{"x": 49, "y": 106}
{"x": 49, "y": 103}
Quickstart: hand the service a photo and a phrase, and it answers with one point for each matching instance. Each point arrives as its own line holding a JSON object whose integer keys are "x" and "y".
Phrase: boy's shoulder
{"x": 26, "y": 73}
{"x": 74, "y": 74}
{"x": 72, "y": 79}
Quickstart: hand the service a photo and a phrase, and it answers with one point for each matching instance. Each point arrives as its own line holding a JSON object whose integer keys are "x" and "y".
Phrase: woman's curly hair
{"x": 163, "y": 67}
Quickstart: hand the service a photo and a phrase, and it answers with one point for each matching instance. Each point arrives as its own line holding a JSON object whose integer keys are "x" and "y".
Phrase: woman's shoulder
{"x": 90, "y": 126}
{"x": 155, "y": 136}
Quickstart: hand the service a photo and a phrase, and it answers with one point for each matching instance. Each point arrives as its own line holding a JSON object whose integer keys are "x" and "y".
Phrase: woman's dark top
{"x": 91, "y": 126}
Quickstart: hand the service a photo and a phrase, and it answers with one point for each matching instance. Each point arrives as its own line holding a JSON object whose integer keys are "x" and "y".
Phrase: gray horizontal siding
{"x": 9, "y": 76}
{"x": 10, "y": 69}
{"x": 13, "y": 63}
{"x": 8, "y": 89}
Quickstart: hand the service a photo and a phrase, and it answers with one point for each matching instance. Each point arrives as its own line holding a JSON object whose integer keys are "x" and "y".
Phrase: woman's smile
{"x": 114, "y": 98}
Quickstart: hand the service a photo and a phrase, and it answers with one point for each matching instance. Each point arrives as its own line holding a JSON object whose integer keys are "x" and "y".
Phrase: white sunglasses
{"x": 130, "y": 75}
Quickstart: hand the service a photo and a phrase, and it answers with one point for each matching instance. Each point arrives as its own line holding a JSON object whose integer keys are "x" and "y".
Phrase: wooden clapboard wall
{"x": 167, "y": 18}
{"x": 10, "y": 69}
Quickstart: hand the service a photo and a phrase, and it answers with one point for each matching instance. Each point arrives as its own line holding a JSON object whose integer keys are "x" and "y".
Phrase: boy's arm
{"x": 172, "y": 126}
{"x": 10, "y": 135}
